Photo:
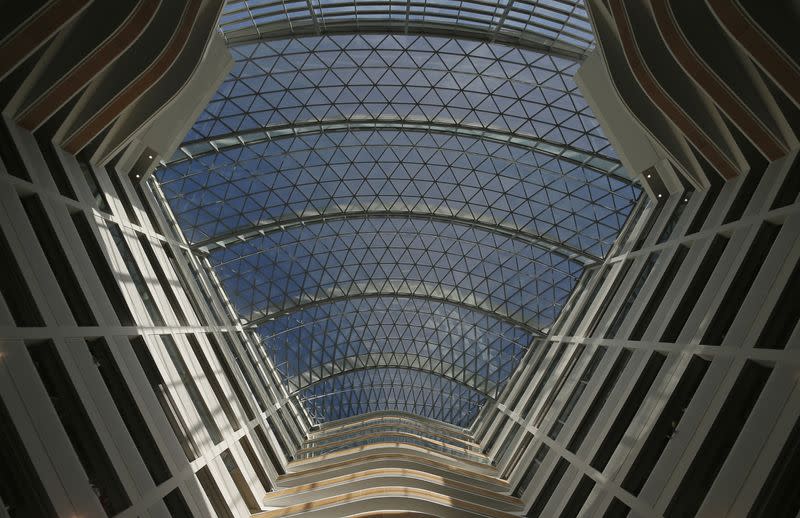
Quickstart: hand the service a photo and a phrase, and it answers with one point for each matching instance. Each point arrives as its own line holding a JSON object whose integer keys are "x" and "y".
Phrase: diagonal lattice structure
{"x": 404, "y": 390}
{"x": 399, "y": 216}
{"x": 392, "y": 78}
{"x": 560, "y": 26}
{"x": 311, "y": 264}
{"x": 217, "y": 198}
{"x": 473, "y": 348}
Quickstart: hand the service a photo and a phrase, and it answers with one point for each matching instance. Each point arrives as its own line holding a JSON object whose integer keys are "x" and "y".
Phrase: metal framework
{"x": 528, "y": 194}
{"x": 216, "y": 144}
{"x": 399, "y": 197}
{"x": 395, "y": 78}
{"x": 262, "y": 317}
{"x": 559, "y": 27}
{"x": 474, "y": 348}
{"x": 371, "y": 390}
{"x": 279, "y": 272}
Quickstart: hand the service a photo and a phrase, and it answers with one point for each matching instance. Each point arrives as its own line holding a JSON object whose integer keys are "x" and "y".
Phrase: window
{"x": 136, "y": 274}
{"x": 779, "y": 495}
{"x": 123, "y": 196}
{"x": 129, "y": 410}
{"x": 213, "y": 493}
{"x": 628, "y": 411}
{"x": 665, "y": 425}
{"x": 599, "y": 315}
{"x": 21, "y": 491}
{"x": 576, "y": 393}
{"x": 255, "y": 364}
{"x": 659, "y": 292}
{"x": 784, "y": 316}
{"x": 589, "y": 300}
{"x": 542, "y": 352}
{"x": 548, "y": 488}
{"x": 279, "y": 437}
{"x": 709, "y": 199}
{"x": 695, "y": 289}
{"x": 599, "y": 400}
{"x": 101, "y": 267}
{"x": 54, "y": 165}
{"x": 486, "y": 424}
{"x": 501, "y": 451}
{"x": 208, "y": 372}
{"x": 145, "y": 203}
{"x": 617, "y": 509}
{"x": 245, "y": 373}
{"x": 648, "y": 226}
{"x": 255, "y": 463}
{"x": 165, "y": 399}
{"x": 239, "y": 481}
{"x": 790, "y": 188}
{"x": 15, "y": 291}
{"x": 190, "y": 385}
{"x": 720, "y": 439}
{"x": 740, "y": 286}
{"x": 262, "y": 438}
{"x": 525, "y": 481}
{"x": 573, "y": 361}
{"x": 675, "y": 217}
{"x": 162, "y": 279}
{"x": 176, "y": 504}
{"x": 79, "y": 428}
{"x": 203, "y": 291}
{"x": 579, "y": 287}
{"x": 98, "y": 195}
{"x": 578, "y": 498}
{"x": 543, "y": 380}
{"x": 519, "y": 451}
{"x": 184, "y": 284}
{"x": 747, "y": 187}
{"x": 495, "y": 434}
{"x": 59, "y": 263}
{"x": 226, "y": 370}
{"x": 622, "y": 313}
{"x": 289, "y": 430}
{"x": 292, "y": 411}
{"x": 9, "y": 153}
{"x": 623, "y": 238}
{"x": 509, "y": 387}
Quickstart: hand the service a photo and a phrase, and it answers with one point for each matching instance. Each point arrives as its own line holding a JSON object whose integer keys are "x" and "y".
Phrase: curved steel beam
{"x": 309, "y": 27}
{"x": 355, "y": 310}
{"x": 361, "y": 362}
{"x": 203, "y": 147}
{"x": 327, "y": 394}
{"x": 264, "y": 317}
{"x": 240, "y": 235}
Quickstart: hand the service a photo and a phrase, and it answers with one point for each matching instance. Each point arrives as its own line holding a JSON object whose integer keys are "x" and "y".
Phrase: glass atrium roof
{"x": 399, "y": 216}
{"x": 474, "y": 348}
{"x": 559, "y": 26}
{"x": 405, "y": 390}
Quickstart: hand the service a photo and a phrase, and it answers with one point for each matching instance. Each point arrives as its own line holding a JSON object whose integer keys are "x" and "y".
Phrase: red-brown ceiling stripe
{"x": 91, "y": 128}
{"x": 36, "y": 31}
{"x": 61, "y": 92}
{"x": 659, "y": 96}
{"x": 722, "y": 95}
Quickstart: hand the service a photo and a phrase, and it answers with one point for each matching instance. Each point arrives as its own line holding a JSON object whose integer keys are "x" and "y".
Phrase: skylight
{"x": 399, "y": 216}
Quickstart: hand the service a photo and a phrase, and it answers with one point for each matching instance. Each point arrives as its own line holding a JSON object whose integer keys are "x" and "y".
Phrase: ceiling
{"x": 399, "y": 197}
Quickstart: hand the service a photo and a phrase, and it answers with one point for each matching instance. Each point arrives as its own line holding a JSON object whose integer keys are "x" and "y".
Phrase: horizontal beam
{"x": 220, "y": 143}
{"x": 320, "y": 373}
{"x": 240, "y": 235}
{"x": 266, "y": 316}
{"x": 303, "y": 27}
